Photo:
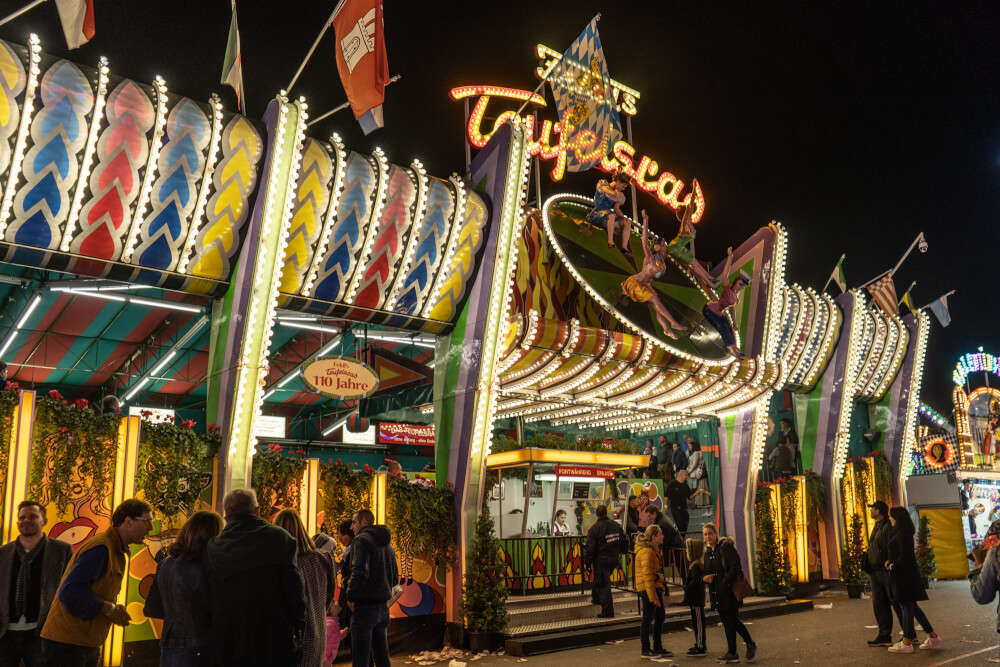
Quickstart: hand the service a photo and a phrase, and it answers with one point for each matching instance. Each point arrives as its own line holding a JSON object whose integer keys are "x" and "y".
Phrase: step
{"x": 528, "y": 615}
{"x": 562, "y": 635}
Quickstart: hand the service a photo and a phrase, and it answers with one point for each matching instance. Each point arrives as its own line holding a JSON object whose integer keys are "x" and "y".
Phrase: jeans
{"x": 652, "y": 616}
{"x": 189, "y": 656}
{"x": 908, "y": 612}
{"x": 882, "y": 603}
{"x": 368, "y": 635}
{"x": 681, "y": 518}
{"x": 58, "y": 654}
{"x": 18, "y": 645}
{"x": 602, "y": 590}
{"x": 733, "y": 625}
{"x": 698, "y": 624}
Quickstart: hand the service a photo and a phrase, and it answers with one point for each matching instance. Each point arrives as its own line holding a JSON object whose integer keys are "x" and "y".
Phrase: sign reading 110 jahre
{"x": 335, "y": 377}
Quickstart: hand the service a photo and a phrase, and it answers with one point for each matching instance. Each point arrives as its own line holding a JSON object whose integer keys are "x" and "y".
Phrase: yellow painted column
{"x": 125, "y": 471}
{"x": 18, "y": 462}
{"x": 801, "y": 534}
{"x": 379, "y": 481}
{"x": 309, "y": 495}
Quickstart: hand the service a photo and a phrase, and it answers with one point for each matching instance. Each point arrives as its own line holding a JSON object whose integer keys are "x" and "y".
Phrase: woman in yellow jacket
{"x": 649, "y": 581}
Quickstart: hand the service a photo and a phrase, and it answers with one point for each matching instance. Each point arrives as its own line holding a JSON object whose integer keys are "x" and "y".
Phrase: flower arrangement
{"x": 75, "y": 443}
{"x": 422, "y": 521}
{"x": 173, "y": 462}
{"x": 277, "y": 478}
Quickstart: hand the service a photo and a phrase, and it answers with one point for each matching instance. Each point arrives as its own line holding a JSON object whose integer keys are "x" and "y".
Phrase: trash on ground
{"x": 824, "y": 606}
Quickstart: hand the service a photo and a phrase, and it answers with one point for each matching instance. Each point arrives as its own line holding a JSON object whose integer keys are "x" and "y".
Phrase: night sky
{"x": 854, "y": 124}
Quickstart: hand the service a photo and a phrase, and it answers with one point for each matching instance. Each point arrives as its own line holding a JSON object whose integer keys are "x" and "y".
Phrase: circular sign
{"x": 938, "y": 453}
{"x": 336, "y": 377}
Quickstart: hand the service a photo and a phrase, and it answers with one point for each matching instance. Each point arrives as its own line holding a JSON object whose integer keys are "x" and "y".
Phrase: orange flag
{"x": 361, "y": 59}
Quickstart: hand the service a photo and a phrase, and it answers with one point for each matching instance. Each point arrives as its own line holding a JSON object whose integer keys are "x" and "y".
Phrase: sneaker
{"x": 663, "y": 653}
{"x": 696, "y": 652}
{"x": 646, "y": 653}
{"x": 729, "y": 659}
{"x": 931, "y": 642}
{"x": 900, "y": 647}
{"x": 751, "y": 652}
{"x": 880, "y": 641}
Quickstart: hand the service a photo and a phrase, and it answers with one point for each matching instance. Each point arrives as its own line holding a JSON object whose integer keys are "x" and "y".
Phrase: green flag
{"x": 232, "y": 68}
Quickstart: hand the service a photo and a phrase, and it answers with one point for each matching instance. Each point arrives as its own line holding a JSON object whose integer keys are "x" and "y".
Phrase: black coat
{"x": 373, "y": 567}
{"x": 906, "y": 584}
{"x": 606, "y": 542}
{"x": 694, "y": 585}
{"x": 258, "y": 605}
{"x": 724, "y": 562}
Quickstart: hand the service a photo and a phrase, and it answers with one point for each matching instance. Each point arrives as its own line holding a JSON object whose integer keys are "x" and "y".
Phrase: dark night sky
{"x": 855, "y": 124}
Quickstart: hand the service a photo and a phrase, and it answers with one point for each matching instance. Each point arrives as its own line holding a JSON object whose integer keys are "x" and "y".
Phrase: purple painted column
{"x": 899, "y": 403}
{"x": 735, "y": 452}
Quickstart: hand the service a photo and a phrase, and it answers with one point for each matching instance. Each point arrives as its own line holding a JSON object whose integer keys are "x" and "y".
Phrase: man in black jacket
{"x": 31, "y": 568}
{"x": 606, "y": 543}
{"x": 878, "y": 554}
{"x": 258, "y": 602}
{"x": 373, "y": 574}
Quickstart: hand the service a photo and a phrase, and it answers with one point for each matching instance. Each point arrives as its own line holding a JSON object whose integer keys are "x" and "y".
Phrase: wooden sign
{"x": 336, "y": 377}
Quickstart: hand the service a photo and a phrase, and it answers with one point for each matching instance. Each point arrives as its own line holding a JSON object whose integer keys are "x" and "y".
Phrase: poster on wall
{"x": 393, "y": 433}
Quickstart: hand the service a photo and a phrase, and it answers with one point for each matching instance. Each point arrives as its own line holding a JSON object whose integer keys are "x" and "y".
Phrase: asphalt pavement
{"x": 827, "y": 635}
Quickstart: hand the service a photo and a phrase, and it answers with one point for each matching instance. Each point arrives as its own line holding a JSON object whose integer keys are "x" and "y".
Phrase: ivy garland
{"x": 345, "y": 491}
{"x": 774, "y": 574}
{"x": 172, "y": 461}
{"x": 422, "y": 521}
{"x": 8, "y": 401}
{"x": 277, "y": 479}
{"x": 77, "y": 444}
{"x": 789, "y": 503}
{"x": 815, "y": 498}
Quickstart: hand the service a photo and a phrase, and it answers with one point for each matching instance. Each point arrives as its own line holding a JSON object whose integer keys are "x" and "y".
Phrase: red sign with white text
{"x": 391, "y": 433}
{"x": 584, "y": 471}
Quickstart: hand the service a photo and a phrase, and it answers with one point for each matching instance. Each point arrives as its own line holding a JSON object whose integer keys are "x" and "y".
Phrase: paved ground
{"x": 833, "y": 636}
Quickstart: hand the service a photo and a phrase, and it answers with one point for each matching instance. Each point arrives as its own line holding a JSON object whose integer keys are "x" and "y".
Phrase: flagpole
{"x": 920, "y": 237}
{"x": 881, "y": 275}
{"x": 344, "y": 105}
{"x": 28, "y": 7}
{"x": 545, "y": 77}
{"x": 326, "y": 26}
{"x": 907, "y": 291}
{"x": 937, "y": 299}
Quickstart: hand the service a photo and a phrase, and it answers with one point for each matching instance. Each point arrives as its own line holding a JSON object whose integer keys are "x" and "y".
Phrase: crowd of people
{"x": 713, "y": 563}
{"x": 233, "y": 590}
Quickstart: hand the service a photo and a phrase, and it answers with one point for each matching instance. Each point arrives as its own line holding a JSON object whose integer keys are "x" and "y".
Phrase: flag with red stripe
{"x": 883, "y": 291}
{"x": 77, "y": 18}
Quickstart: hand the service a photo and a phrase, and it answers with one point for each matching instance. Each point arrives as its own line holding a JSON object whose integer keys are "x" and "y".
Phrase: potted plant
{"x": 484, "y": 593}
{"x": 925, "y": 552}
{"x": 852, "y": 559}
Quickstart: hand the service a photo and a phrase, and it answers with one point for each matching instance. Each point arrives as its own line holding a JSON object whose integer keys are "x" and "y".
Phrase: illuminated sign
{"x": 391, "y": 433}
{"x": 335, "y": 377}
{"x": 584, "y": 471}
{"x": 938, "y": 453}
{"x": 979, "y": 362}
{"x": 269, "y": 426}
{"x": 548, "y": 142}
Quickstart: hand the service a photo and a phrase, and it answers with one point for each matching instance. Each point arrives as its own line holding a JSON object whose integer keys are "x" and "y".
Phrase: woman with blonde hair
{"x": 178, "y": 594}
{"x": 650, "y": 582}
{"x": 319, "y": 579}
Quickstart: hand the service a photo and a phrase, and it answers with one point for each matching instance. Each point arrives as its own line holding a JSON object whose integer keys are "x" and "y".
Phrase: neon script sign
{"x": 646, "y": 174}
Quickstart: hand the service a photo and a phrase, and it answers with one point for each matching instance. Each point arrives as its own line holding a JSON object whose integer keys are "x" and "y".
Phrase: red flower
{"x": 300, "y": 452}
{"x": 336, "y": 479}
{"x": 55, "y": 395}
{"x": 12, "y": 386}
{"x": 338, "y": 462}
{"x": 212, "y": 428}
{"x": 355, "y": 464}
{"x": 82, "y": 403}
{"x": 188, "y": 423}
{"x": 145, "y": 414}
{"x": 63, "y": 429}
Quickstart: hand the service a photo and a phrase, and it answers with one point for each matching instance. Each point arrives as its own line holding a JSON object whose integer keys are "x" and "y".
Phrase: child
{"x": 694, "y": 596}
{"x": 333, "y": 634}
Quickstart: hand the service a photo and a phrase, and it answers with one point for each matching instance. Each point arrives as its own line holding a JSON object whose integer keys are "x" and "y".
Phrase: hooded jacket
{"x": 648, "y": 568}
{"x": 258, "y": 602}
{"x": 985, "y": 581}
{"x": 373, "y": 567}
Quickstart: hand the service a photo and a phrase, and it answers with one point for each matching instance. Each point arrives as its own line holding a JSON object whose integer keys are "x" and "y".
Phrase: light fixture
{"x": 147, "y": 376}
{"x": 128, "y": 298}
{"x": 32, "y": 305}
{"x": 336, "y": 425}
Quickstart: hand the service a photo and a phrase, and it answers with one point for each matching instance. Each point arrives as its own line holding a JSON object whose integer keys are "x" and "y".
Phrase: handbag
{"x": 740, "y": 588}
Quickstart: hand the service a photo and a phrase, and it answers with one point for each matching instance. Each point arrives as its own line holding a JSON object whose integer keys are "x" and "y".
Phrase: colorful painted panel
{"x": 58, "y": 134}
{"x": 312, "y": 196}
{"x": 353, "y": 217}
{"x": 458, "y": 272}
{"x": 12, "y": 81}
{"x": 116, "y": 178}
{"x": 234, "y": 179}
{"x": 440, "y": 209}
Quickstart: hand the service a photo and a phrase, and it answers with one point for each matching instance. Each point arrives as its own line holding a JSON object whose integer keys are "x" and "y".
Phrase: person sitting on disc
{"x": 638, "y": 287}
{"x": 715, "y": 312}
{"x": 678, "y": 247}
{"x": 607, "y": 212}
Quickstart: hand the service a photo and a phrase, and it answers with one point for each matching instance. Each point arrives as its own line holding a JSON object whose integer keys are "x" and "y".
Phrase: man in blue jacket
{"x": 373, "y": 574}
